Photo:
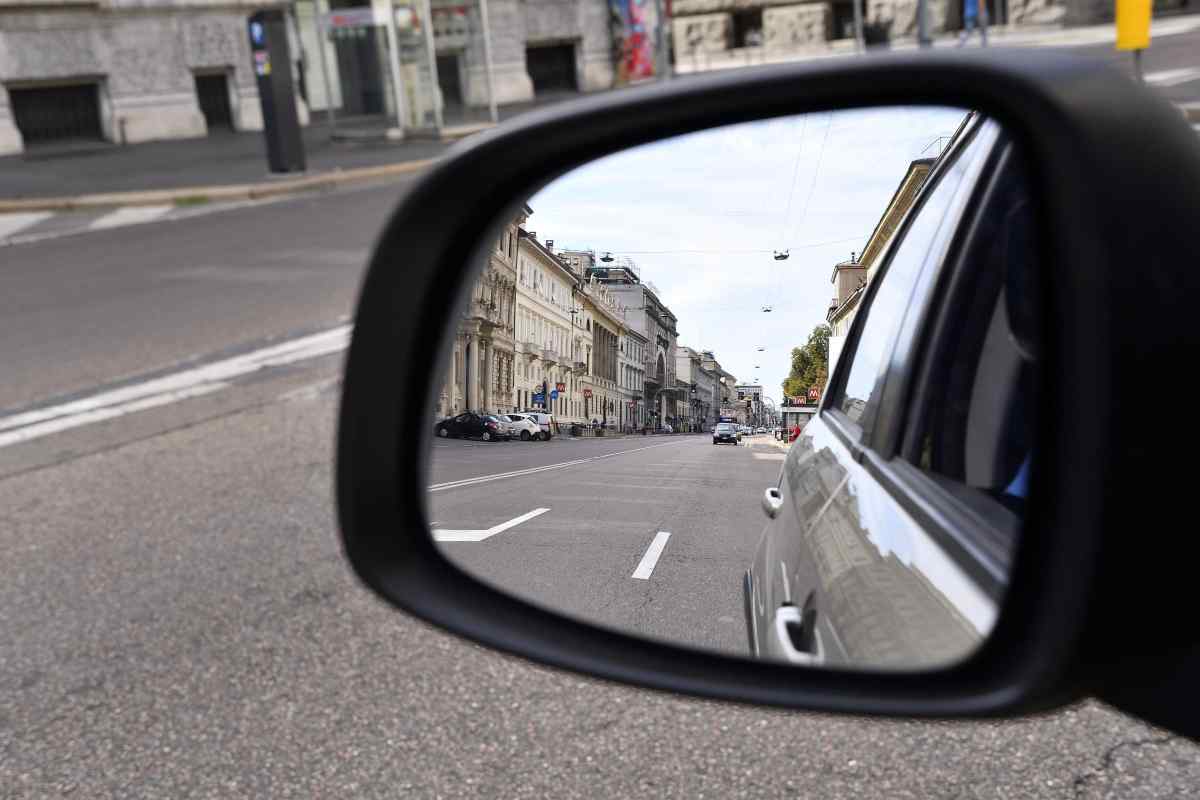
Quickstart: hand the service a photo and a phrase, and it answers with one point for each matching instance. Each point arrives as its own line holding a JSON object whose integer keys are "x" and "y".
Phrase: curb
{"x": 243, "y": 191}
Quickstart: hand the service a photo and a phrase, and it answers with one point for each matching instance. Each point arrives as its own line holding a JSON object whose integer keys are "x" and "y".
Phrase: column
{"x": 489, "y": 378}
{"x": 471, "y": 364}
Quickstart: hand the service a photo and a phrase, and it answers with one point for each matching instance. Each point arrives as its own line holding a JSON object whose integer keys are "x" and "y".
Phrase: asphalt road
{"x": 602, "y": 514}
{"x": 178, "y": 620}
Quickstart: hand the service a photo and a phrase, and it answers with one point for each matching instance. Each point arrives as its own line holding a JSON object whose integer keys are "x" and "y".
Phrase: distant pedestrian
{"x": 974, "y": 16}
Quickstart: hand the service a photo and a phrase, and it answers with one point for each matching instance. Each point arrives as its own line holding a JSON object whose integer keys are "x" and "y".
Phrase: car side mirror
{"x": 1088, "y": 595}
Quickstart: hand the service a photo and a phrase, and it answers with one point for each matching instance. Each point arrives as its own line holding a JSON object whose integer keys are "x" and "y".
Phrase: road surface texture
{"x": 178, "y": 620}
{"x": 647, "y": 534}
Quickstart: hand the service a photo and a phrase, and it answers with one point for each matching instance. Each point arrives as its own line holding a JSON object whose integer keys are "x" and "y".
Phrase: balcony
{"x": 549, "y": 356}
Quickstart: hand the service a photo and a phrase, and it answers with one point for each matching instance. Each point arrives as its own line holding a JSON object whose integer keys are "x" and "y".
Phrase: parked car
{"x": 725, "y": 432}
{"x": 523, "y": 427}
{"x": 547, "y": 424}
{"x": 504, "y": 426}
{"x": 760, "y": 430}
{"x": 844, "y": 574}
{"x": 469, "y": 424}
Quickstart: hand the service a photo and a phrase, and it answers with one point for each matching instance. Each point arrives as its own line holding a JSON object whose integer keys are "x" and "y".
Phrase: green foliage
{"x": 810, "y": 364}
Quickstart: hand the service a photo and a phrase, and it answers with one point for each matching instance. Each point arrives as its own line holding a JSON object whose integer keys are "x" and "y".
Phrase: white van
{"x": 547, "y": 422}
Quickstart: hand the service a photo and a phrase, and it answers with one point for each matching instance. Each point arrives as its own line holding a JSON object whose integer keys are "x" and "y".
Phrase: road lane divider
{"x": 171, "y": 388}
{"x": 645, "y": 567}
{"x": 441, "y": 487}
{"x": 442, "y": 535}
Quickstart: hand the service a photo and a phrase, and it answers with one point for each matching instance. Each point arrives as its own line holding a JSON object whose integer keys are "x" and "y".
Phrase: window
{"x": 977, "y": 428}
{"x": 894, "y": 295}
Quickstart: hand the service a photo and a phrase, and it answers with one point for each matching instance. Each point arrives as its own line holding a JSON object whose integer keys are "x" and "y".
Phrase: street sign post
{"x": 1133, "y": 29}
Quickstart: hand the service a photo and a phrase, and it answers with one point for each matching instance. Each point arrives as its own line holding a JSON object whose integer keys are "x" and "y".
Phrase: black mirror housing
{"x": 1093, "y": 605}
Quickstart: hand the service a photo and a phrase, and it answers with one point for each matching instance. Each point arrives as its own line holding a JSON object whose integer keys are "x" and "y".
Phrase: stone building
{"x": 652, "y": 320}
{"x": 632, "y": 381}
{"x": 604, "y": 320}
{"x": 698, "y": 407}
{"x": 707, "y": 27}
{"x": 483, "y": 364}
{"x": 724, "y": 395}
{"x": 537, "y": 47}
{"x": 547, "y": 355}
{"x": 125, "y": 72}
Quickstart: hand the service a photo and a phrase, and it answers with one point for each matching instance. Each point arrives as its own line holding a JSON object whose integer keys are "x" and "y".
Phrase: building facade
{"x": 537, "y": 47}
{"x": 651, "y": 318}
{"x": 482, "y": 373}
{"x": 546, "y": 352}
{"x": 127, "y": 72}
{"x": 604, "y": 318}
{"x": 701, "y": 28}
{"x": 632, "y": 364}
{"x": 700, "y": 408}
{"x": 749, "y": 400}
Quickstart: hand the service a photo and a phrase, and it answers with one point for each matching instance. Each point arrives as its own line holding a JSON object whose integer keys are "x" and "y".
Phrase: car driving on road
{"x": 725, "y": 432}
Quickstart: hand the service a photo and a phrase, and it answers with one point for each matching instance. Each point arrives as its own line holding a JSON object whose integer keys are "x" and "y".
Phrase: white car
{"x": 523, "y": 427}
{"x": 547, "y": 424}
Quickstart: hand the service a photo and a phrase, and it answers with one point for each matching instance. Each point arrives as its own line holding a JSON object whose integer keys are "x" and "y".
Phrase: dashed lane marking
{"x": 441, "y": 535}
{"x": 646, "y": 566}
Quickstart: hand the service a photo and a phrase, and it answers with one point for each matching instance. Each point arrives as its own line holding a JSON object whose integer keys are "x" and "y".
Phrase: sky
{"x": 702, "y": 214}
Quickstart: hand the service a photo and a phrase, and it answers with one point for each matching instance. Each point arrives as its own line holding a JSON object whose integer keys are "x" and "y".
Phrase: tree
{"x": 810, "y": 364}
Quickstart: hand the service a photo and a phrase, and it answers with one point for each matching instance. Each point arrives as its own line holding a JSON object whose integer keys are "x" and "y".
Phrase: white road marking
{"x": 1173, "y": 77}
{"x": 167, "y": 389}
{"x": 12, "y": 223}
{"x": 441, "y": 535}
{"x": 129, "y": 215}
{"x": 440, "y": 487}
{"x": 646, "y": 566}
{"x": 101, "y": 414}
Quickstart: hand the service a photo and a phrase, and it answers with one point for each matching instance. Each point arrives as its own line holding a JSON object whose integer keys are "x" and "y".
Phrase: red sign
{"x": 814, "y": 394}
{"x": 562, "y": 387}
{"x": 587, "y": 392}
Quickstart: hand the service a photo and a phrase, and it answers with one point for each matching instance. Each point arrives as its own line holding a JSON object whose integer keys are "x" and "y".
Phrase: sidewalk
{"x": 220, "y": 167}
{"x": 224, "y": 160}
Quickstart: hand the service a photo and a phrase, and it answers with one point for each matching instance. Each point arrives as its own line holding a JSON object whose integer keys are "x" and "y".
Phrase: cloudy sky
{"x": 702, "y": 214}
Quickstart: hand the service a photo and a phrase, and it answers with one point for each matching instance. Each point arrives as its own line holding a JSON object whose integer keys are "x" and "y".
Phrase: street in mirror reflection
{"x": 685, "y": 398}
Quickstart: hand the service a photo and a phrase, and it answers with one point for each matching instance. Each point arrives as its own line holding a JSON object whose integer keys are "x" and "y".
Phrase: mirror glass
{"x": 763, "y": 389}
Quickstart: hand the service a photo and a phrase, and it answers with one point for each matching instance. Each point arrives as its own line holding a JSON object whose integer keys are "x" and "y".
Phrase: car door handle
{"x": 772, "y": 501}
{"x": 796, "y": 633}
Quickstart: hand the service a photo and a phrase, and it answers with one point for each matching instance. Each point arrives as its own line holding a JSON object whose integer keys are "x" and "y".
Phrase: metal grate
{"x": 55, "y": 113}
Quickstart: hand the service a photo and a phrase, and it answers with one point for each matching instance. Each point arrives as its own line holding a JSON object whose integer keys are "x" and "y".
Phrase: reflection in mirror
{"x": 672, "y": 353}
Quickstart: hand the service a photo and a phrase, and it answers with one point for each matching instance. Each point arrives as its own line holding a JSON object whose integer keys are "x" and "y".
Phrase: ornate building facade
{"x": 483, "y": 366}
